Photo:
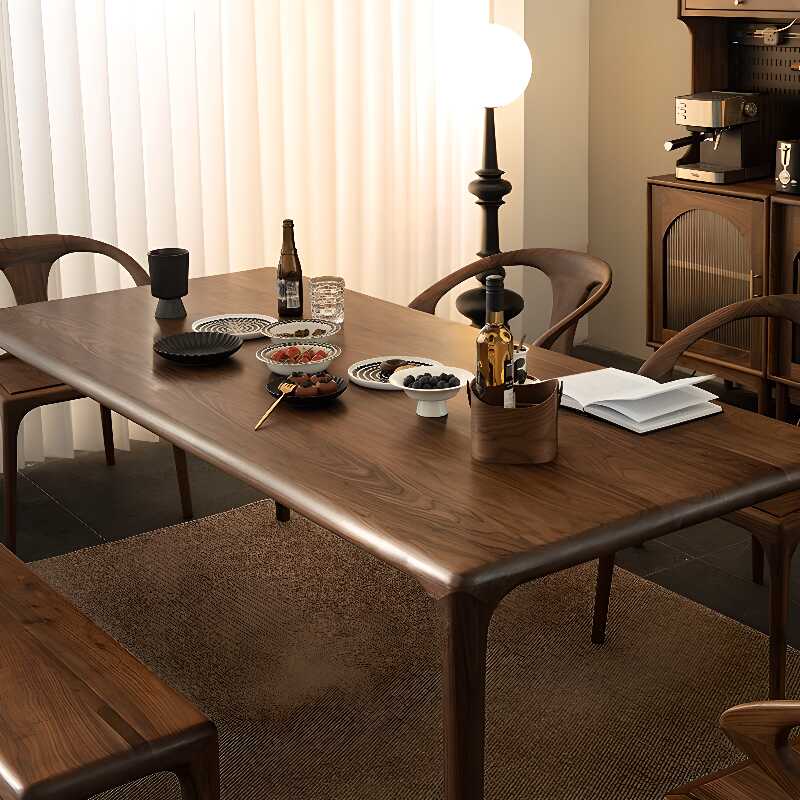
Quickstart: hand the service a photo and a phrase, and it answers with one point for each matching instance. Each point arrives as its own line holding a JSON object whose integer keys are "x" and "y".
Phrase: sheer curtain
{"x": 204, "y": 123}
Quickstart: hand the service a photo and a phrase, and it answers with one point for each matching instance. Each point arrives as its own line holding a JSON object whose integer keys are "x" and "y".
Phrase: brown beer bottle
{"x": 290, "y": 276}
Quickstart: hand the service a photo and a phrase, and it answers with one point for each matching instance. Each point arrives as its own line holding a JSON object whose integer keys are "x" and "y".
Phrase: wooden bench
{"x": 760, "y": 730}
{"x": 78, "y": 713}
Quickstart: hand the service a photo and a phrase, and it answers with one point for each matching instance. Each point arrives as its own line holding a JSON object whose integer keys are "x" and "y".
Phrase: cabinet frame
{"x": 785, "y": 237}
{"x": 750, "y": 217}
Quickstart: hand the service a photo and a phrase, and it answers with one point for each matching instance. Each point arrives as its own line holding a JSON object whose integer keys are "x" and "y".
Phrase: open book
{"x": 637, "y": 403}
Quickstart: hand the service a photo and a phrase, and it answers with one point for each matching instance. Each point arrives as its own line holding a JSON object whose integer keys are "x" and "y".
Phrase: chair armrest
{"x": 761, "y": 731}
{"x": 552, "y": 334}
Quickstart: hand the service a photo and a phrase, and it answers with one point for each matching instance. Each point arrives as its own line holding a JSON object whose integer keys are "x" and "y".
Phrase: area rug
{"x": 320, "y": 667}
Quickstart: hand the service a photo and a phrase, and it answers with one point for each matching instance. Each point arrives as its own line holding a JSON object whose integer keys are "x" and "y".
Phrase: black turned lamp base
{"x": 490, "y": 188}
{"x": 472, "y": 304}
{"x": 170, "y": 309}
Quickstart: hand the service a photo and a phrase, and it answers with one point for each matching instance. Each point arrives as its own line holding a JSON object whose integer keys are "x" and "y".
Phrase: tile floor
{"x": 69, "y": 504}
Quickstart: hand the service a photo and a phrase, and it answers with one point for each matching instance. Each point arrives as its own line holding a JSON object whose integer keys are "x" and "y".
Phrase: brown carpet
{"x": 320, "y": 667}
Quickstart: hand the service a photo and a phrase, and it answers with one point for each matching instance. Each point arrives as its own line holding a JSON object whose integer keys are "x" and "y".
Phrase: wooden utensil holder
{"x": 527, "y": 434}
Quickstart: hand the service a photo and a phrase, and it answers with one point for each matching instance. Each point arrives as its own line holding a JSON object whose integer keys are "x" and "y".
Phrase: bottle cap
{"x": 288, "y": 223}
{"x": 494, "y": 293}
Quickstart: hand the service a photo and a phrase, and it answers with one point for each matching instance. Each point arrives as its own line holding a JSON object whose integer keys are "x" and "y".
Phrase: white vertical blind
{"x": 204, "y": 123}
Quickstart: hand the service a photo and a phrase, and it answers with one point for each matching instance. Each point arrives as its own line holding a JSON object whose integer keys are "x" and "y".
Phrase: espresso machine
{"x": 725, "y": 138}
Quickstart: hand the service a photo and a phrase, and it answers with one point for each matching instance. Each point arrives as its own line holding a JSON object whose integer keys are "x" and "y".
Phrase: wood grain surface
{"x": 80, "y": 713}
{"x": 400, "y": 486}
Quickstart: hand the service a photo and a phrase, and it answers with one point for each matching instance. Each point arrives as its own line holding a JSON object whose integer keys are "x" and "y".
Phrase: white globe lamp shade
{"x": 499, "y": 66}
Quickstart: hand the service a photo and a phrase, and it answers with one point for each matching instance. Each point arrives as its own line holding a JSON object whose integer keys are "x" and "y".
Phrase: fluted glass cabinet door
{"x": 707, "y": 251}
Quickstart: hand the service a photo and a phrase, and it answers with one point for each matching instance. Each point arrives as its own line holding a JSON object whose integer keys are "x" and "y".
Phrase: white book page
{"x": 602, "y": 385}
{"x": 652, "y": 407}
{"x": 664, "y": 421}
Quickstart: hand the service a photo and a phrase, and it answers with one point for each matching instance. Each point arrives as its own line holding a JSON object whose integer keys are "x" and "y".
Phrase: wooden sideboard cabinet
{"x": 753, "y": 9}
{"x": 709, "y": 248}
{"x": 783, "y": 366}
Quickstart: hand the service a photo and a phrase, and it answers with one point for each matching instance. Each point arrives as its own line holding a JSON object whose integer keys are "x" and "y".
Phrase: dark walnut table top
{"x": 370, "y": 470}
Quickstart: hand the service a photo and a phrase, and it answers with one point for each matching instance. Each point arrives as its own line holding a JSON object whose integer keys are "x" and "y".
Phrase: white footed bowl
{"x": 431, "y": 402}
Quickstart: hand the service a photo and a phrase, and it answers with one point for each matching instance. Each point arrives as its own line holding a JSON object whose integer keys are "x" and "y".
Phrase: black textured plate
{"x": 198, "y": 349}
{"x": 305, "y": 402}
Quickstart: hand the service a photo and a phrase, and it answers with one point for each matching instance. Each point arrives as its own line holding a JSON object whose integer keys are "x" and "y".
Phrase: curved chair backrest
{"x": 579, "y": 282}
{"x": 777, "y": 306}
{"x": 761, "y": 731}
{"x": 27, "y": 260}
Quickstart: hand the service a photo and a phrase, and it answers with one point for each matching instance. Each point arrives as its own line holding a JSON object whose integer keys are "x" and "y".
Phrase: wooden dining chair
{"x": 772, "y": 771}
{"x": 579, "y": 282}
{"x": 776, "y": 536}
{"x": 26, "y": 262}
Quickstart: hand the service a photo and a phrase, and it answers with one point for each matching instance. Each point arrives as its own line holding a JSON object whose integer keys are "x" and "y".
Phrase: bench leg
{"x": 779, "y": 557}
{"x": 200, "y": 777}
{"x": 602, "y": 597}
{"x": 757, "y": 560}
{"x": 282, "y": 513}
{"x": 11, "y": 420}
{"x": 182, "y": 470}
{"x": 108, "y": 434}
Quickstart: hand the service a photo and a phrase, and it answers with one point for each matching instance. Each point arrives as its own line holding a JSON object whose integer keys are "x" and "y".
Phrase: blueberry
{"x": 418, "y": 384}
{"x": 441, "y": 384}
{"x": 453, "y": 382}
{"x": 409, "y": 381}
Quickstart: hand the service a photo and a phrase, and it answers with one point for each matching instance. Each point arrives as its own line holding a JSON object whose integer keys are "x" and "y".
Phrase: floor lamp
{"x": 496, "y": 78}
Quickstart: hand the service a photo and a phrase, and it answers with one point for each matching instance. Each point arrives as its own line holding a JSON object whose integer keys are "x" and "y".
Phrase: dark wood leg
{"x": 108, "y": 435}
{"x": 10, "y": 421}
{"x": 602, "y": 597}
{"x": 764, "y": 398}
{"x": 282, "y": 513}
{"x": 781, "y": 402}
{"x": 779, "y": 557}
{"x": 757, "y": 560}
{"x": 464, "y": 666}
{"x": 200, "y": 777}
{"x": 185, "y": 490}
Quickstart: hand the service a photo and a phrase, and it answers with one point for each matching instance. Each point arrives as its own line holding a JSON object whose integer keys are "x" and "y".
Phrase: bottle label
{"x": 509, "y": 398}
{"x": 289, "y": 293}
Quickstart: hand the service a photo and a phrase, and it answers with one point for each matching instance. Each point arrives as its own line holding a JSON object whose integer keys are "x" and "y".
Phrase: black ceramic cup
{"x": 169, "y": 280}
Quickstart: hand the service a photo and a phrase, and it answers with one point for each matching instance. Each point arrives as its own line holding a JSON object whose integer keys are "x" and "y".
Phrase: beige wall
{"x": 511, "y": 155}
{"x": 556, "y": 133}
{"x": 639, "y": 58}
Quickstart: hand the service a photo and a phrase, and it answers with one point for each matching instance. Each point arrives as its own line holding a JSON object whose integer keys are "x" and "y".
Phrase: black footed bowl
{"x": 198, "y": 349}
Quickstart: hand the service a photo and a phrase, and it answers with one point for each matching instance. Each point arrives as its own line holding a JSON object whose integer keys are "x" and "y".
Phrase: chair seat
{"x": 778, "y": 516}
{"x": 17, "y": 377}
{"x": 745, "y": 781}
{"x": 79, "y": 712}
{"x": 781, "y": 506}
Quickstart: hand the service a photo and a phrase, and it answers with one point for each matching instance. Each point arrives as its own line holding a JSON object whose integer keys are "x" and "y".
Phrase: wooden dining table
{"x": 402, "y": 487}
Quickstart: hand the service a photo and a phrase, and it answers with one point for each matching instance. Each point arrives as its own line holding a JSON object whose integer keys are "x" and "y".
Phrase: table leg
{"x": 602, "y": 596}
{"x": 779, "y": 558}
{"x": 464, "y": 667}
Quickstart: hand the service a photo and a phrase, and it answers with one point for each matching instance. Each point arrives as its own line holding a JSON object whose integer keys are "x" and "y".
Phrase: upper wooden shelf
{"x": 745, "y": 9}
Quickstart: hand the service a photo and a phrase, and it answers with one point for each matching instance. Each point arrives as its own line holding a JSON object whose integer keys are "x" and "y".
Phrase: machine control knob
{"x": 738, "y": 2}
{"x": 750, "y": 109}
